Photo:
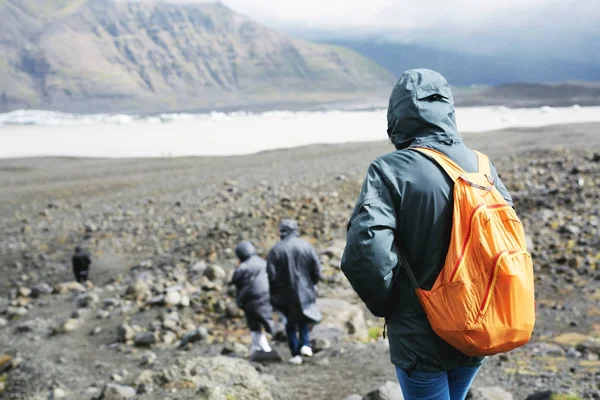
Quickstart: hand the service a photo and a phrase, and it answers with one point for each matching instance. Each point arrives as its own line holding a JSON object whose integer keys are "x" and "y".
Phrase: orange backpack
{"x": 482, "y": 302}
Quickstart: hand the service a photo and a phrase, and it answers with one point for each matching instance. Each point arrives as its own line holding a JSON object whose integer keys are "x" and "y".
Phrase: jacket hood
{"x": 288, "y": 227}
{"x": 245, "y": 250}
{"x": 421, "y": 109}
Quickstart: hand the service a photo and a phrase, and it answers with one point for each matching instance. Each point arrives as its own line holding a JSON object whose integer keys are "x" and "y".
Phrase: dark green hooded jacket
{"x": 406, "y": 200}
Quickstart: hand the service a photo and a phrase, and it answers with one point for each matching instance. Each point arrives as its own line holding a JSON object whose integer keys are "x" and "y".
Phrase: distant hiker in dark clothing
{"x": 81, "y": 265}
{"x": 294, "y": 269}
{"x": 252, "y": 284}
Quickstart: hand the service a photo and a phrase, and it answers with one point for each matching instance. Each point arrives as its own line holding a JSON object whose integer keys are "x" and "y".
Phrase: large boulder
{"x": 344, "y": 317}
{"x": 218, "y": 378}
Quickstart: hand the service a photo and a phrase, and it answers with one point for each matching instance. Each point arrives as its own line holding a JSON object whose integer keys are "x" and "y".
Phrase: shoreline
{"x": 223, "y": 137}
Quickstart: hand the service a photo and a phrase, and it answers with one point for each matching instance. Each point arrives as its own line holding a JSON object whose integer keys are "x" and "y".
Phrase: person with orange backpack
{"x": 435, "y": 247}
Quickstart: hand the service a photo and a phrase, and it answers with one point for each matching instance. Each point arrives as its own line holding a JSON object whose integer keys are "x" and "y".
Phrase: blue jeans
{"x": 292, "y": 337}
{"x": 451, "y": 385}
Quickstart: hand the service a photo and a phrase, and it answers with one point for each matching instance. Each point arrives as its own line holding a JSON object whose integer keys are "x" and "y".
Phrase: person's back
{"x": 252, "y": 284}
{"x": 407, "y": 201}
{"x": 81, "y": 262}
{"x": 250, "y": 277}
{"x": 294, "y": 269}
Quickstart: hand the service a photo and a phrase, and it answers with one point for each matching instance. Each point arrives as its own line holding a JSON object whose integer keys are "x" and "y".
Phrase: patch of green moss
{"x": 566, "y": 397}
{"x": 375, "y": 332}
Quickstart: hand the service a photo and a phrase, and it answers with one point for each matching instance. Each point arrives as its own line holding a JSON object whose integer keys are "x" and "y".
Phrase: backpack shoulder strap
{"x": 451, "y": 168}
{"x": 484, "y": 164}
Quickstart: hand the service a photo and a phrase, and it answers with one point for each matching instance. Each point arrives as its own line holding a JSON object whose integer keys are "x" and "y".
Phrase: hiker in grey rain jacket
{"x": 252, "y": 284}
{"x": 294, "y": 270}
{"x": 407, "y": 200}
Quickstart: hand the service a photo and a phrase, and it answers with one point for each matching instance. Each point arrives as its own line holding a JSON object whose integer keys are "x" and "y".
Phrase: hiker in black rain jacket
{"x": 294, "y": 271}
{"x": 407, "y": 200}
{"x": 252, "y": 284}
{"x": 81, "y": 262}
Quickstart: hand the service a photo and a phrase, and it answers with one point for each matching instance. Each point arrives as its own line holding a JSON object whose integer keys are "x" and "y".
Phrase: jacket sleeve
{"x": 316, "y": 268}
{"x": 236, "y": 278}
{"x": 272, "y": 273}
{"x": 500, "y": 186}
{"x": 370, "y": 261}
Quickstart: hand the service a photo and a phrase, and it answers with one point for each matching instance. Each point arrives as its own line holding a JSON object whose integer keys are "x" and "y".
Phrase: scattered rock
{"x": 321, "y": 344}
{"x": 489, "y": 393}
{"x": 194, "y": 336}
{"x": 25, "y": 327}
{"x": 173, "y": 298}
{"x": 169, "y": 338}
{"x": 125, "y": 333}
{"x": 215, "y": 273}
{"x": 41, "y": 289}
{"x": 86, "y": 300}
{"x": 266, "y": 357}
{"x": 69, "y": 325}
{"x": 146, "y": 339}
{"x": 198, "y": 268}
{"x": 16, "y": 312}
{"x": 235, "y": 349}
{"x": 570, "y": 229}
{"x": 6, "y": 362}
{"x": 156, "y": 301}
{"x": 93, "y": 393}
{"x": 111, "y": 302}
{"x": 67, "y": 287}
{"x": 57, "y": 393}
{"x": 145, "y": 377}
{"x": 148, "y": 358}
{"x": 3, "y": 322}
{"x": 354, "y": 397}
{"x": 113, "y": 391}
{"x": 139, "y": 290}
{"x": 545, "y": 395}
{"x": 389, "y": 391}
{"x": 544, "y": 349}
{"x": 591, "y": 345}
{"x": 96, "y": 331}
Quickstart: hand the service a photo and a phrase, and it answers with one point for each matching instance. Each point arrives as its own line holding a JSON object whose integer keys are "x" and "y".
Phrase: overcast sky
{"x": 562, "y": 26}
{"x": 417, "y": 14}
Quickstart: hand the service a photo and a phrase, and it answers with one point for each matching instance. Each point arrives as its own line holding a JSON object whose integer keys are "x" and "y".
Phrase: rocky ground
{"x": 159, "y": 320}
